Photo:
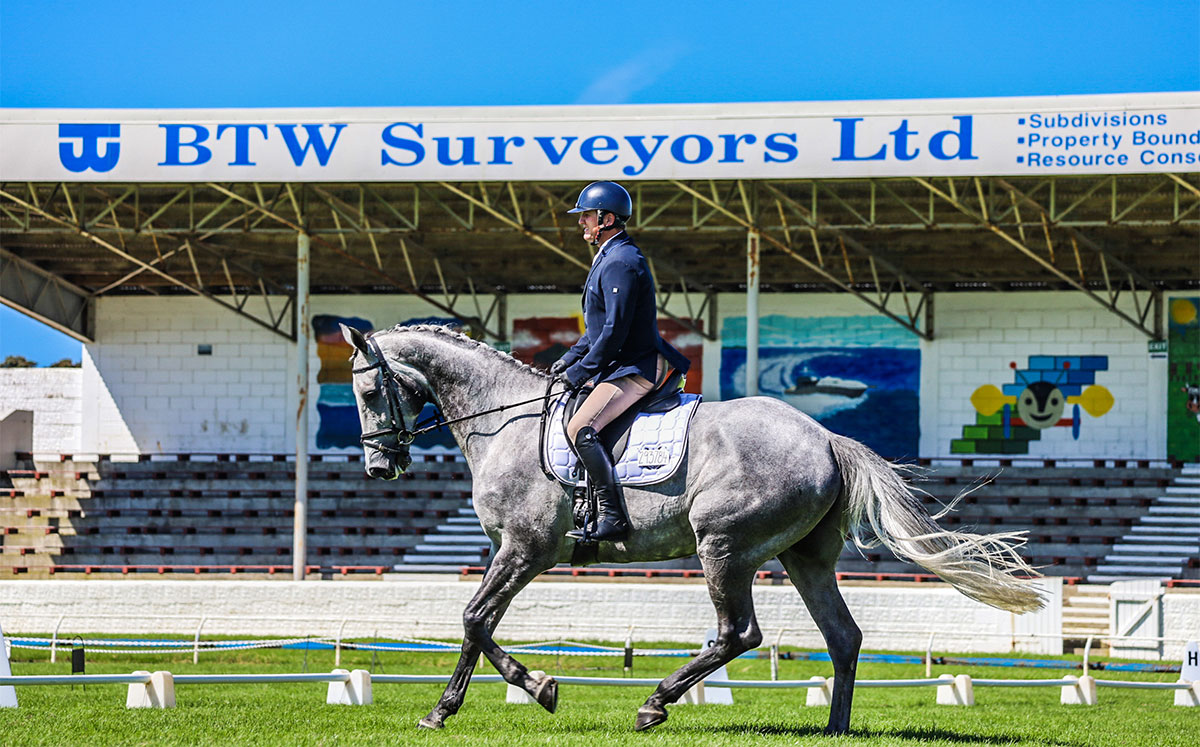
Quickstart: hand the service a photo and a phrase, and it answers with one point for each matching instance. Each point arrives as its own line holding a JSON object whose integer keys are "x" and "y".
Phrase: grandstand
{"x": 232, "y": 513}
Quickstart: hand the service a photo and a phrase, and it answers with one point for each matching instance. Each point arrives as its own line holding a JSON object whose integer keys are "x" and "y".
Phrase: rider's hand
{"x": 558, "y": 367}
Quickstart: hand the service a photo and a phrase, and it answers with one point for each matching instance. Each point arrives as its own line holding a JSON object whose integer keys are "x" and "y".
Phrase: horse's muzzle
{"x": 383, "y": 466}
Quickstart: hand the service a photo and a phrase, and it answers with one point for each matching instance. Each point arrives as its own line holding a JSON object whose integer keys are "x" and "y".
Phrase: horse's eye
{"x": 370, "y": 392}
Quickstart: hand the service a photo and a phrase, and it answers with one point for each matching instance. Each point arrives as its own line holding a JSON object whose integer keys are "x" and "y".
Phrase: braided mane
{"x": 466, "y": 342}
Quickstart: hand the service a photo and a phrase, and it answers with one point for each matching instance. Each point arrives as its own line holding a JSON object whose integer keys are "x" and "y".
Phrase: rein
{"x": 393, "y": 381}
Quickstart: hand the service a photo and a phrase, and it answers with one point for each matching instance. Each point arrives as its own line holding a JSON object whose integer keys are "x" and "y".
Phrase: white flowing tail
{"x": 982, "y": 566}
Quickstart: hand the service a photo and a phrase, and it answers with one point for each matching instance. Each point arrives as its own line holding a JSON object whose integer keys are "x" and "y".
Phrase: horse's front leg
{"x": 456, "y": 689}
{"x": 511, "y": 570}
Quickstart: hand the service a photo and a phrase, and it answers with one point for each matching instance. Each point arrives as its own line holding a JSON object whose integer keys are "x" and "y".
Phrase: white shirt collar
{"x": 604, "y": 246}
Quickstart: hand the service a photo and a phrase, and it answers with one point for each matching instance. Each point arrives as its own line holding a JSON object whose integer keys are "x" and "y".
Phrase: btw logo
{"x": 85, "y": 154}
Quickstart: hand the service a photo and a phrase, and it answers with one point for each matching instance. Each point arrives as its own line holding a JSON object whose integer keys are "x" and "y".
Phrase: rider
{"x": 620, "y": 349}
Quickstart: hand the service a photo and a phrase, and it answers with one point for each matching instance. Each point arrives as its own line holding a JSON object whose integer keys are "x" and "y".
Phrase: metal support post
{"x": 752, "y": 277}
{"x": 300, "y": 514}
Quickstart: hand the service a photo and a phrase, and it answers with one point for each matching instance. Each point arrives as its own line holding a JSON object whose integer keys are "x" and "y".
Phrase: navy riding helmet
{"x": 608, "y": 196}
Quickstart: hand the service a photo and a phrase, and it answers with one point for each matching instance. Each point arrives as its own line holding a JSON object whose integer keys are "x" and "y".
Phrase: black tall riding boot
{"x": 611, "y": 524}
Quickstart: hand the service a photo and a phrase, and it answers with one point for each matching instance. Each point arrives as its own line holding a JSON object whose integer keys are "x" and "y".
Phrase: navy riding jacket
{"x": 620, "y": 320}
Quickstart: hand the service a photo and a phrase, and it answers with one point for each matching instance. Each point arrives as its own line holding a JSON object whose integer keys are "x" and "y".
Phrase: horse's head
{"x": 389, "y": 398}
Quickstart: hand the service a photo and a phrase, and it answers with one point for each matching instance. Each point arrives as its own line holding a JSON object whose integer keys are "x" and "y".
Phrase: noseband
{"x": 392, "y": 383}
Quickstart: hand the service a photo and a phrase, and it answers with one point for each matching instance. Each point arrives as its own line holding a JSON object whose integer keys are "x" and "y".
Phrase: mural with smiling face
{"x": 1009, "y": 418}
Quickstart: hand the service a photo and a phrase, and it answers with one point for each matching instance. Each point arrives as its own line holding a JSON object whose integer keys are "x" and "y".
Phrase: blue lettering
{"x": 639, "y": 148}
{"x": 679, "y": 149}
{"x": 547, "y": 144}
{"x": 174, "y": 144}
{"x": 774, "y": 143}
{"x": 89, "y": 147}
{"x": 847, "y": 150}
{"x": 394, "y": 141}
{"x": 500, "y": 146}
{"x": 241, "y": 141}
{"x": 589, "y": 147}
{"x": 468, "y": 151}
{"x": 900, "y": 135}
{"x": 731, "y": 146}
{"x": 937, "y": 143}
{"x": 314, "y": 141}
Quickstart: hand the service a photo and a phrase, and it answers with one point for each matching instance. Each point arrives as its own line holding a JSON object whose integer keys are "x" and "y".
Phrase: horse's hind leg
{"x": 810, "y": 566}
{"x": 737, "y": 632}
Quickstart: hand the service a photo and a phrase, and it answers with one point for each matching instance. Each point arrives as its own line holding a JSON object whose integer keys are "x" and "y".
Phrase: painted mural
{"x": 1183, "y": 379}
{"x": 1009, "y": 418}
{"x": 337, "y": 415}
{"x": 857, "y": 375}
{"x": 539, "y": 341}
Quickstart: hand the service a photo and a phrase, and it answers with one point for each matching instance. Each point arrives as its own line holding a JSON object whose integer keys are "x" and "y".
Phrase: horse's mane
{"x": 466, "y": 342}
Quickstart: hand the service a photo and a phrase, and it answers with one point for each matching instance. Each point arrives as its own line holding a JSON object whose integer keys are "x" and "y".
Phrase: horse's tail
{"x": 981, "y": 566}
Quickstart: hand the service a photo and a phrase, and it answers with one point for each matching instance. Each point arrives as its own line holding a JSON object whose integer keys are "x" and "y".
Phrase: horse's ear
{"x": 354, "y": 337}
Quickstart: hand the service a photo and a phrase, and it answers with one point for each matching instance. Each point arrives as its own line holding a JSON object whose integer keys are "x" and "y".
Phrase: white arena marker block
{"x": 517, "y": 696}
{"x": 819, "y": 696}
{"x": 958, "y": 691}
{"x": 1079, "y": 690}
{"x": 1189, "y": 672}
{"x": 8, "y": 693}
{"x": 355, "y": 690}
{"x": 159, "y": 692}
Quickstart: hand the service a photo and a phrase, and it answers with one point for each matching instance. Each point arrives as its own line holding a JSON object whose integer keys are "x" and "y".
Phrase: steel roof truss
{"x": 45, "y": 297}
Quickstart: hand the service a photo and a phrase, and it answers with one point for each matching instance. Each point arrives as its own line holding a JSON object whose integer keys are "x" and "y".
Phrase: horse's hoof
{"x": 429, "y": 722}
{"x": 649, "y": 717}
{"x": 547, "y": 693}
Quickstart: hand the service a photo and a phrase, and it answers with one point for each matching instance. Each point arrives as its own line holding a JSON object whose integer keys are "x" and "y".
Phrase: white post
{"x": 337, "y": 656}
{"x": 8, "y": 693}
{"x": 1087, "y": 652}
{"x": 929, "y": 656}
{"x": 300, "y": 515}
{"x": 752, "y": 278}
{"x": 196, "y": 643}
{"x": 54, "y": 639}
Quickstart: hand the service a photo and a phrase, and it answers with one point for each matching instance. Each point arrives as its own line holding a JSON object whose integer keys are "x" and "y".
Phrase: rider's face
{"x": 589, "y": 223}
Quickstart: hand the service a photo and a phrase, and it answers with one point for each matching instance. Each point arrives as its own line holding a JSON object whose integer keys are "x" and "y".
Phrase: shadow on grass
{"x": 916, "y": 735}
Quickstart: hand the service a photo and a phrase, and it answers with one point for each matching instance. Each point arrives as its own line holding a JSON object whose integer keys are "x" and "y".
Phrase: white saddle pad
{"x": 657, "y": 443}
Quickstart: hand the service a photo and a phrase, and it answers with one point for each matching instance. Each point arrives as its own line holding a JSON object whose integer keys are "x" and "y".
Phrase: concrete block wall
{"x": 896, "y": 618}
{"x": 145, "y": 389}
{"x": 53, "y": 396}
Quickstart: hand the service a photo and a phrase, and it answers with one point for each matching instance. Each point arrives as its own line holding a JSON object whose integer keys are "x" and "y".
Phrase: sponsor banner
{"x": 1134, "y": 133}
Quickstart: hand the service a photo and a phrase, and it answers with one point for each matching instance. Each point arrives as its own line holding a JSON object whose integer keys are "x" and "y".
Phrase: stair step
{"x": 461, "y": 529}
{"x": 471, "y": 520}
{"x": 460, "y": 560}
{"x": 478, "y": 540}
{"x": 1088, "y": 603}
{"x": 1169, "y": 524}
{"x": 1142, "y": 534}
{"x": 1173, "y": 549}
{"x": 1187, "y": 480}
{"x": 1148, "y": 559}
{"x": 1106, "y": 578}
{"x": 1179, "y": 500}
{"x": 427, "y": 568}
{"x": 1133, "y": 570}
{"x": 467, "y": 512}
{"x": 1176, "y": 510}
{"x": 464, "y": 550}
{"x": 1183, "y": 490}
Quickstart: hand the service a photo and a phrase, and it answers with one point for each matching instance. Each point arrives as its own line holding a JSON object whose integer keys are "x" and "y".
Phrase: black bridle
{"x": 391, "y": 384}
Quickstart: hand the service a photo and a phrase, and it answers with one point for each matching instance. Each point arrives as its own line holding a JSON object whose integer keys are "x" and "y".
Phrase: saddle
{"x": 656, "y": 426}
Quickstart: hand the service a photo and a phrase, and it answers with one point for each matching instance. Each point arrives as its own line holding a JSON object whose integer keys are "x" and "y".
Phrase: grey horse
{"x": 761, "y": 480}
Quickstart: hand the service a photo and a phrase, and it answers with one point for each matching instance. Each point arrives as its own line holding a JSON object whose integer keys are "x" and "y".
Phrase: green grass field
{"x": 297, "y": 714}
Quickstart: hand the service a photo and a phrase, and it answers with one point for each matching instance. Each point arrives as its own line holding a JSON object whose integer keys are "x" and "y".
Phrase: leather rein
{"x": 392, "y": 384}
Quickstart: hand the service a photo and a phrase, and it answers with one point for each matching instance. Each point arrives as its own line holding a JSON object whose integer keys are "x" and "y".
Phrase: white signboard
{"x": 1125, "y": 133}
{"x": 8, "y": 693}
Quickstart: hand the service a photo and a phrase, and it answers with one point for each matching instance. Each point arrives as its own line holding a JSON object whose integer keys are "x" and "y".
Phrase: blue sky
{"x": 364, "y": 53}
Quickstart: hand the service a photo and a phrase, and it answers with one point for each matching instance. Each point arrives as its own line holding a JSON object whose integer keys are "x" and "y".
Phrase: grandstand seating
{"x": 233, "y": 513}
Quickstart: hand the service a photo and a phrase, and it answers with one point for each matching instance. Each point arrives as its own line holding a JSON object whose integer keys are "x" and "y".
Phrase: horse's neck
{"x": 466, "y": 380}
